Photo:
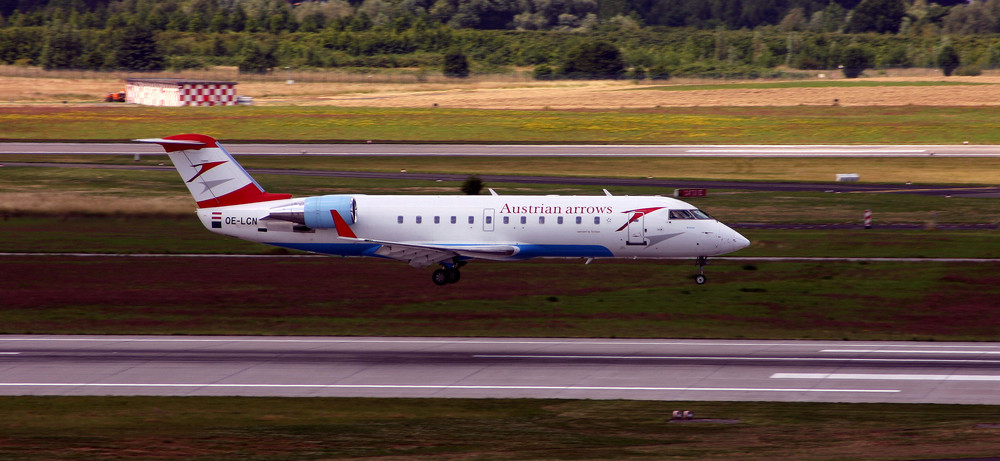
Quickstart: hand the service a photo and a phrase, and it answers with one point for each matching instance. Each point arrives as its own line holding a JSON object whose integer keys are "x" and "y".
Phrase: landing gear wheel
{"x": 445, "y": 276}
{"x": 452, "y": 275}
{"x": 440, "y": 277}
{"x": 700, "y": 279}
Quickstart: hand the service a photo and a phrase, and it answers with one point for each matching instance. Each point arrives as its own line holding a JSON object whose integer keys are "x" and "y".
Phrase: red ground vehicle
{"x": 115, "y": 97}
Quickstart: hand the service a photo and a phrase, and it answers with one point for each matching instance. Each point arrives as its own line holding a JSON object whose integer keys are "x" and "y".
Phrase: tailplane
{"x": 211, "y": 174}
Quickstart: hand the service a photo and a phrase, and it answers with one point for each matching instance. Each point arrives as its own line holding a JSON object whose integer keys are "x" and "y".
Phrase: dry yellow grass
{"x": 507, "y": 92}
{"x": 70, "y": 202}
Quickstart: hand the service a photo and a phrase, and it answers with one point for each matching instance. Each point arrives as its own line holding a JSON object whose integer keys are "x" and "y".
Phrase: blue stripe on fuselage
{"x": 562, "y": 251}
{"x": 524, "y": 251}
{"x": 339, "y": 249}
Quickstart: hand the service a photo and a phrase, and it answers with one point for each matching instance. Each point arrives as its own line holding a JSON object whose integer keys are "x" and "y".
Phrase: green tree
{"x": 881, "y": 16}
{"x": 594, "y": 59}
{"x": 255, "y": 59}
{"x": 855, "y": 61}
{"x": 543, "y": 72}
{"x": 456, "y": 65}
{"x": 62, "y": 50}
{"x": 137, "y": 50}
{"x": 948, "y": 60}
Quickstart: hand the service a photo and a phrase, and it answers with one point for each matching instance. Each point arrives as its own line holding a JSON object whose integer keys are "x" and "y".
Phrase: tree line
{"x": 558, "y": 38}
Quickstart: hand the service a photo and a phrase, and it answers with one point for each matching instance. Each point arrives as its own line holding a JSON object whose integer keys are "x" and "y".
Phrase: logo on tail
{"x": 203, "y": 167}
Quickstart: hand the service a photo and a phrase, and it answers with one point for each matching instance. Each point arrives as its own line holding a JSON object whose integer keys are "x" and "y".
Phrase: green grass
{"x": 690, "y": 125}
{"x": 550, "y": 298}
{"x": 196, "y": 428}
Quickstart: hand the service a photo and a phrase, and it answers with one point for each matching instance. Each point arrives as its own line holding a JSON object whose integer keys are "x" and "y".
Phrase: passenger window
{"x": 579, "y": 220}
{"x": 506, "y": 219}
{"x": 541, "y": 220}
{"x": 489, "y": 220}
{"x": 454, "y": 220}
{"x": 559, "y": 220}
{"x": 524, "y": 220}
{"x": 437, "y": 220}
{"x": 597, "y": 219}
{"x": 472, "y": 219}
{"x": 399, "y": 219}
{"x": 420, "y": 219}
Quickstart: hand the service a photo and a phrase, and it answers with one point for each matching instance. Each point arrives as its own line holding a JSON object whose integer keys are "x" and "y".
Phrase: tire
{"x": 700, "y": 279}
{"x": 452, "y": 275}
{"x": 440, "y": 277}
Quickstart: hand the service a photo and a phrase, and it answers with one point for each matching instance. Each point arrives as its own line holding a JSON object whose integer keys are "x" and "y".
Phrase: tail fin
{"x": 211, "y": 174}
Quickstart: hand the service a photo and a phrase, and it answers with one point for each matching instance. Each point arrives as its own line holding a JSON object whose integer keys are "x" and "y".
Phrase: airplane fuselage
{"x": 445, "y": 230}
{"x": 537, "y": 226}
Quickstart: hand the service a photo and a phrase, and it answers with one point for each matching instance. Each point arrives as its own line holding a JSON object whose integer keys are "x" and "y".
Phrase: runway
{"x": 883, "y": 151}
{"x": 799, "y": 371}
{"x": 525, "y": 150}
{"x": 596, "y": 182}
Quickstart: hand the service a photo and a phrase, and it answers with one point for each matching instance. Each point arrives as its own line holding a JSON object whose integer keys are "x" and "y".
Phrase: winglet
{"x": 343, "y": 229}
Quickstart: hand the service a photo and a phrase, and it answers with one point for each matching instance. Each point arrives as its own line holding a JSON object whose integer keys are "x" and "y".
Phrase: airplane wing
{"x": 422, "y": 255}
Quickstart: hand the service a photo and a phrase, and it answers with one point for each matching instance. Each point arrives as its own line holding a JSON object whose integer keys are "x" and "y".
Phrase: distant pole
{"x": 868, "y": 219}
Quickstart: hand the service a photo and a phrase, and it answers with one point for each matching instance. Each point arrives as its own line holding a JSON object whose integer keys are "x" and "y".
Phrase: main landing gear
{"x": 448, "y": 273}
{"x": 700, "y": 279}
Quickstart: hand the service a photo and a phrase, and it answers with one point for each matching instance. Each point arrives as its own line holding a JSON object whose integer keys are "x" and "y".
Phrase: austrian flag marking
{"x": 216, "y": 220}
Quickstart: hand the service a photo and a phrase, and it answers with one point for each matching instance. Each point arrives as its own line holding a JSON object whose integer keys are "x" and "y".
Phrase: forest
{"x": 554, "y": 38}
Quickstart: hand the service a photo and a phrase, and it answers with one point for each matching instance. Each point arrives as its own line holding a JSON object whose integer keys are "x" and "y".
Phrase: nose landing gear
{"x": 700, "y": 279}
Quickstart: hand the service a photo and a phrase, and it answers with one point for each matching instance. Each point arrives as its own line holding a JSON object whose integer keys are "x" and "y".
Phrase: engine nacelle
{"x": 316, "y": 211}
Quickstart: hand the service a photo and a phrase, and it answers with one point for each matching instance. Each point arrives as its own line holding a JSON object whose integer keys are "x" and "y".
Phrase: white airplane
{"x": 448, "y": 230}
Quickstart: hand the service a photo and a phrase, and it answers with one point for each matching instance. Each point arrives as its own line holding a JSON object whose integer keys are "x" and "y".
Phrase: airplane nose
{"x": 741, "y": 241}
{"x": 736, "y": 241}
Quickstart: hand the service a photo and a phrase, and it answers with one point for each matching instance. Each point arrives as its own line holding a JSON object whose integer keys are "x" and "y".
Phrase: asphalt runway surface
{"x": 551, "y": 150}
{"x": 530, "y": 150}
{"x": 800, "y": 371}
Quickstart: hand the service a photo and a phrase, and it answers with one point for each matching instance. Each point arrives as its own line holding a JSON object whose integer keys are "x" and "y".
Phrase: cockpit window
{"x": 698, "y": 214}
{"x": 680, "y": 214}
{"x": 689, "y": 214}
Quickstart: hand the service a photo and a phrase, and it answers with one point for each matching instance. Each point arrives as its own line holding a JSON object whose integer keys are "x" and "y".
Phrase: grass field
{"x": 86, "y": 428}
{"x": 811, "y": 84}
{"x": 675, "y": 125}
{"x": 306, "y": 429}
{"x": 612, "y": 298}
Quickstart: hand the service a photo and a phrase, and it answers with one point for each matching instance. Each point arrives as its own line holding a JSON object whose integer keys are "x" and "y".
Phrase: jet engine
{"x": 315, "y": 212}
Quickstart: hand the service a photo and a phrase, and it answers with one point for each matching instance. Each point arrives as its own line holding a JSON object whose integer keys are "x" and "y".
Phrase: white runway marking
{"x": 729, "y": 359}
{"x": 442, "y": 386}
{"x": 886, "y": 377}
{"x": 894, "y": 351}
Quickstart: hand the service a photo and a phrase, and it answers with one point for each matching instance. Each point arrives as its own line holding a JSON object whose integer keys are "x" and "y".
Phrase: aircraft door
{"x": 637, "y": 230}
{"x": 488, "y": 224}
